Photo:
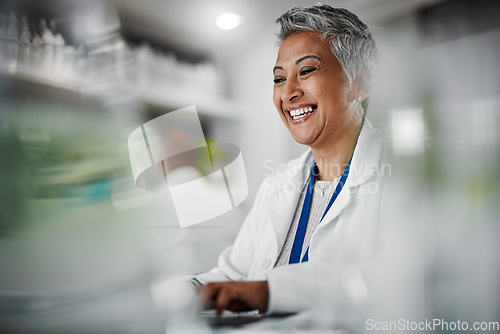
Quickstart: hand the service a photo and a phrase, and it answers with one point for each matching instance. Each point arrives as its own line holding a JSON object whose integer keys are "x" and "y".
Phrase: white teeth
{"x": 301, "y": 112}
{"x": 299, "y": 117}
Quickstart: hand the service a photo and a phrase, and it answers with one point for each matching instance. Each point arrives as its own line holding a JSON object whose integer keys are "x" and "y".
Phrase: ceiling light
{"x": 227, "y": 21}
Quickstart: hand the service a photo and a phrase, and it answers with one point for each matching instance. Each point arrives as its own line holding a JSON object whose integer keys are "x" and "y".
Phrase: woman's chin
{"x": 303, "y": 140}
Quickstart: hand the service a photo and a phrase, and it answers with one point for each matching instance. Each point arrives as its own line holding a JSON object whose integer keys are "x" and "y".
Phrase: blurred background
{"x": 80, "y": 244}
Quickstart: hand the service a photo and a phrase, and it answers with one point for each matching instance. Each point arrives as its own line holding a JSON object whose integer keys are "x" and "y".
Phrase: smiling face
{"x": 311, "y": 93}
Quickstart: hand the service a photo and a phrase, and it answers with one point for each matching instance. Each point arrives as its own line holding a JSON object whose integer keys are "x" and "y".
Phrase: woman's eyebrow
{"x": 297, "y": 61}
{"x": 306, "y": 57}
{"x": 277, "y": 68}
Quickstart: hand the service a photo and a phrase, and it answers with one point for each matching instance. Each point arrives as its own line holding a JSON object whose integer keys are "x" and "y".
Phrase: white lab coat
{"x": 347, "y": 232}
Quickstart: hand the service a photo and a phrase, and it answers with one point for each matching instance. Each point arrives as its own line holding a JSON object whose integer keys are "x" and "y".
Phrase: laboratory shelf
{"x": 18, "y": 82}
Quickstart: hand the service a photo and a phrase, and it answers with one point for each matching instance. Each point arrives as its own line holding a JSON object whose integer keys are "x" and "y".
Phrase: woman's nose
{"x": 292, "y": 90}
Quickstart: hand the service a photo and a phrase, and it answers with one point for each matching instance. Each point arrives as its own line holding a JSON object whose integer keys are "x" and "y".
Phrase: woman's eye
{"x": 307, "y": 70}
{"x": 278, "y": 80}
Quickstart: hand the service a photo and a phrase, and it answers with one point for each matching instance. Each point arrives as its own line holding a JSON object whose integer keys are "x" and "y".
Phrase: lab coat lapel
{"x": 285, "y": 195}
{"x": 364, "y": 164}
{"x": 340, "y": 203}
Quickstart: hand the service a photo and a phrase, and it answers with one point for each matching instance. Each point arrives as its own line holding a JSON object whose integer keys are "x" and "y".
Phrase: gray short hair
{"x": 350, "y": 39}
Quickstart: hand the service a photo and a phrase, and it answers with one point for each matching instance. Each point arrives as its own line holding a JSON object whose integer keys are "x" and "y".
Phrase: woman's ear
{"x": 357, "y": 91}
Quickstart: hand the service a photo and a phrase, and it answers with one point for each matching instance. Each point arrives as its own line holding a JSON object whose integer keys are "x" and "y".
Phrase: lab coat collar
{"x": 286, "y": 187}
{"x": 284, "y": 191}
{"x": 365, "y": 161}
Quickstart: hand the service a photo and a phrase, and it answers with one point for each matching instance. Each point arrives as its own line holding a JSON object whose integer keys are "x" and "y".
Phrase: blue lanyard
{"x": 304, "y": 215}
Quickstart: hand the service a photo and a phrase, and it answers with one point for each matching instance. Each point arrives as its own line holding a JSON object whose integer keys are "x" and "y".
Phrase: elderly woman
{"x": 295, "y": 240}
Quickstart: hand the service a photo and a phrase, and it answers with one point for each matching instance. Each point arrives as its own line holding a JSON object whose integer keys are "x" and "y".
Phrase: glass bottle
{"x": 12, "y": 42}
{"x": 24, "y": 44}
{"x": 3, "y": 33}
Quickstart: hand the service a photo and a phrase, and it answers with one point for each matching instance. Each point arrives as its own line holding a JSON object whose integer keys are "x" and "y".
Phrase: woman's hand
{"x": 237, "y": 296}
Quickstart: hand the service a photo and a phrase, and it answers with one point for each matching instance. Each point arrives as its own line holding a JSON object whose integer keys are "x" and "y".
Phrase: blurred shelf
{"x": 30, "y": 79}
{"x": 20, "y": 81}
{"x": 105, "y": 69}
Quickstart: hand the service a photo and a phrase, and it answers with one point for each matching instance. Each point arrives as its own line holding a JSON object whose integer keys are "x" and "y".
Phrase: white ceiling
{"x": 189, "y": 24}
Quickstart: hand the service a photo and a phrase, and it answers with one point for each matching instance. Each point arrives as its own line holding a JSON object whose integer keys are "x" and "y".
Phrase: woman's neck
{"x": 332, "y": 159}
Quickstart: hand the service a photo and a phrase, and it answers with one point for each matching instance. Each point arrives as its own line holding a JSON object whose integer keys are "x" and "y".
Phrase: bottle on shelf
{"x": 12, "y": 42}
{"x": 48, "y": 47}
{"x": 3, "y": 34}
{"x": 69, "y": 63}
{"x": 24, "y": 44}
{"x": 58, "y": 61}
{"x": 36, "y": 54}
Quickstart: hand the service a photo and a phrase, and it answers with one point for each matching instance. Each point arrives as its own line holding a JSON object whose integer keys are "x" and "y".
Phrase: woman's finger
{"x": 223, "y": 299}
{"x": 238, "y": 306}
{"x": 209, "y": 295}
